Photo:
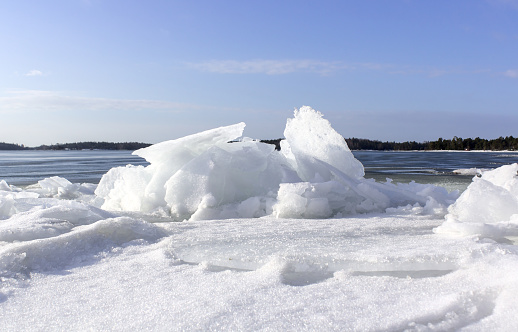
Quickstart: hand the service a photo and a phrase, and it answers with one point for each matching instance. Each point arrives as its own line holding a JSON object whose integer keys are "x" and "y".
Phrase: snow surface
{"x": 393, "y": 257}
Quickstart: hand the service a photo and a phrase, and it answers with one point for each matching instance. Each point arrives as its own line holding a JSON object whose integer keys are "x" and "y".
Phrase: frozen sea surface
{"x": 29, "y": 166}
{"x": 389, "y": 256}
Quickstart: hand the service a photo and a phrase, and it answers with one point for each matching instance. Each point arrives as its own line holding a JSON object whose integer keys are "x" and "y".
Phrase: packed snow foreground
{"x": 295, "y": 240}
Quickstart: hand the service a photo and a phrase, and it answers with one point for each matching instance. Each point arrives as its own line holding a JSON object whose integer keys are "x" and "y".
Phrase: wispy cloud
{"x": 34, "y": 72}
{"x": 37, "y": 100}
{"x": 269, "y": 67}
{"x": 511, "y": 73}
{"x": 280, "y": 67}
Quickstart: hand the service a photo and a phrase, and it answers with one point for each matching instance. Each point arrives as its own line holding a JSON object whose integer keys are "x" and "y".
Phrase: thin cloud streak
{"x": 34, "y": 72}
{"x": 282, "y": 67}
{"x": 269, "y": 67}
{"x": 50, "y": 101}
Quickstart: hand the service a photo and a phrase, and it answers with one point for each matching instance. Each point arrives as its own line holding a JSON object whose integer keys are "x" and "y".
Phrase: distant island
{"x": 456, "y": 143}
{"x": 78, "y": 146}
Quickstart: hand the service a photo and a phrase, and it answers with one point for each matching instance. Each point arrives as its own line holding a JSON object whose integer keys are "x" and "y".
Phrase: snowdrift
{"x": 204, "y": 176}
{"x": 488, "y": 207}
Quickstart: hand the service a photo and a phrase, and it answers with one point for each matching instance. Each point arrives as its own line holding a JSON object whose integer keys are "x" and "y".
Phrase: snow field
{"x": 341, "y": 274}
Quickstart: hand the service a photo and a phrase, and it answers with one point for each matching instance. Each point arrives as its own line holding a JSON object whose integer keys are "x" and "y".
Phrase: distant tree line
{"x": 366, "y": 144}
{"x": 456, "y": 143}
{"x": 78, "y": 146}
{"x": 94, "y": 146}
{"x": 11, "y": 146}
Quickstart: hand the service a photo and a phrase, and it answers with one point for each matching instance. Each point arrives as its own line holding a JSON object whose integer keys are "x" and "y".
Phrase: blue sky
{"x": 123, "y": 70}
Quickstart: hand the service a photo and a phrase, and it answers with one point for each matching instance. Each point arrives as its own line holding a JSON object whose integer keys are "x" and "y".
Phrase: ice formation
{"x": 488, "y": 207}
{"x": 204, "y": 176}
{"x": 116, "y": 270}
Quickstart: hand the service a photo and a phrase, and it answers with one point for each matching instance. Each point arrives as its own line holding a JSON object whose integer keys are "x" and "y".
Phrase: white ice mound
{"x": 312, "y": 141}
{"x": 200, "y": 171}
{"x": 59, "y": 187}
{"x": 204, "y": 176}
{"x": 488, "y": 207}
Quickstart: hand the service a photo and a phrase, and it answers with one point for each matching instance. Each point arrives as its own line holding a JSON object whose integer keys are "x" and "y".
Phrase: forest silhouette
{"x": 456, "y": 143}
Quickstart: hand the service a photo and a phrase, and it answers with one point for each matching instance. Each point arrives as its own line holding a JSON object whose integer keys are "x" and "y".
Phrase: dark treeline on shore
{"x": 95, "y": 146}
{"x": 456, "y": 143}
{"x": 78, "y": 146}
{"x": 366, "y": 144}
{"x": 10, "y": 146}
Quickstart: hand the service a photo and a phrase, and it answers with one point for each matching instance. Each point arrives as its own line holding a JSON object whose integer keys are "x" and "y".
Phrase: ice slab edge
{"x": 315, "y": 175}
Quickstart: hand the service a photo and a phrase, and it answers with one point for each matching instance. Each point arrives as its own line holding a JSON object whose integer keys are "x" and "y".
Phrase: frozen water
{"x": 203, "y": 176}
{"x": 395, "y": 257}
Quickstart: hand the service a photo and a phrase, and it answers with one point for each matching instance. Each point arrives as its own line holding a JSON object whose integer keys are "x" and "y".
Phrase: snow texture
{"x": 395, "y": 257}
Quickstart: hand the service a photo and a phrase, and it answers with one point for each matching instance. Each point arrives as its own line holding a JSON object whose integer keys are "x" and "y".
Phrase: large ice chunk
{"x": 210, "y": 175}
{"x": 167, "y": 158}
{"x": 229, "y": 173}
{"x": 488, "y": 207}
{"x": 311, "y": 138}
{"x": 124, "y": 189}
{"x": 176, "y": 153}
{"x": 186, "y": 174}
{"x": 59, "y": 187}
